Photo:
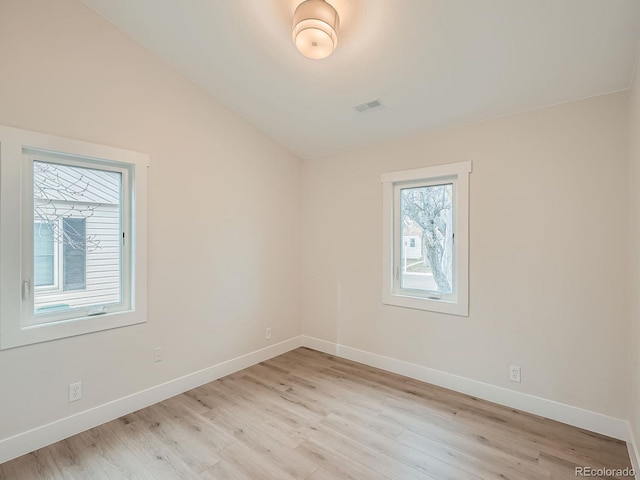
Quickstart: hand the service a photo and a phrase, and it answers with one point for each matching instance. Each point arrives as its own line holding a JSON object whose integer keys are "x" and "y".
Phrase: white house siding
{"x": 102, "y": 262}
{"x": 76, "y": 184}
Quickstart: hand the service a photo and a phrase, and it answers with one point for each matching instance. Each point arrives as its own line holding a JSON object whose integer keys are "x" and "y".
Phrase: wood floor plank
{"x": 282, "y": 424}
{"x": 378, "y": 454}
{"x": 262, "y": 441}
{"x": 561, "y": 468}
{"x": 391, "y": 452}
{"x": 254, "y": 463}
{"x": 306, "y": 392}
{"x": 160, "y": 459}
{"x": 571, "y": 447}
{"x": 236, "y": 419}
{"x": 322, "y": 474}
{"x": 192, "y": 442}
{"x": 336, "y": 463}
{"x": 288, "y": 459}
{"x": 496, "y": 468}
{"x": 486, "y": 445}
{"x": 224, "y": 470}
{"x": 38, "y": 465}
{"x": 306, "y": 415}
{"x": 73, "y": 463}
{"x": 105, "y": 453}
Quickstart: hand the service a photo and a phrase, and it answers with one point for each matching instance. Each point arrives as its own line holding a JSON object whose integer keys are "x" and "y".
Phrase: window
{"x": 72, "y": 237}
{"x": 425, "y": 239}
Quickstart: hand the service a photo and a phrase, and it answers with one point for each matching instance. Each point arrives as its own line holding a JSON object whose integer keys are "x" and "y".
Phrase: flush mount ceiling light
{"x": 315, "y": 28}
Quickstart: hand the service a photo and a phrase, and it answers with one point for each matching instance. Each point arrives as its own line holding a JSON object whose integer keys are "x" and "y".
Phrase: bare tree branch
{"x": 56, "y": 197}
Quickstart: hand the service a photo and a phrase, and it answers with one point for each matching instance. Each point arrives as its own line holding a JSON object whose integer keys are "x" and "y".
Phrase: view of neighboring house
{"x": 76, "y": 232}
{"x": 412, "y": 246}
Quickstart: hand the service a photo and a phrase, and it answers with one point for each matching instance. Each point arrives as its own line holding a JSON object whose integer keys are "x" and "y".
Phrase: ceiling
{"x": 432, "y": 63}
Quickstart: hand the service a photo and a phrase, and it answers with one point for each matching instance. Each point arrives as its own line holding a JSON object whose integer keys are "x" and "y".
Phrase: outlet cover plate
{"x": 158, "y": 354}
{"x": 515, "y": 373}
{"x": 75, "y": 391}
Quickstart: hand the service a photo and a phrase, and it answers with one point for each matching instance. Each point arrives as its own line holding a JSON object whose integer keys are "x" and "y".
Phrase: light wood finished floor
{"x": 307, "y": 415}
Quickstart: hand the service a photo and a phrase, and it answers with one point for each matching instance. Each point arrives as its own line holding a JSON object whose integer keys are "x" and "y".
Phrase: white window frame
{"x": 35, "y": 319}
{"x": 18, "y": 149}
{"x": 456, "y": 303}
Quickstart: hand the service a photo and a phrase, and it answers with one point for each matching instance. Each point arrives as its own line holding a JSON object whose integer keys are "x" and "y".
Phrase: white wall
{"x": 548, "y": 215}
{"x": 634, "y": 252}
{"x": 223, "y": 211}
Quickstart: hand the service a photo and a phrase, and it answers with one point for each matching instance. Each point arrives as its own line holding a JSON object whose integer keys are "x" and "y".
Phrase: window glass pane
{"x": 426, "y": 229}
{"x": 43, "y": 255}
{"x": 74, "y": 245}
{"x": 81, "y": 207}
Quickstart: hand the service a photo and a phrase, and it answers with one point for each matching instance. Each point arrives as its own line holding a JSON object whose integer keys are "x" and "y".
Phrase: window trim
{"x": 391, "y": 293}
{"x": 16, "y": 146}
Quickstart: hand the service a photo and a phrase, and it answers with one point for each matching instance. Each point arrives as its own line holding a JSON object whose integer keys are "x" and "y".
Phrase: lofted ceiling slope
{"x": 432, "y": 63}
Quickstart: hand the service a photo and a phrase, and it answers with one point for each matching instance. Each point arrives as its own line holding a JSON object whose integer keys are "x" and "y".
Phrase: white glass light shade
{"x": 315, "y": 28}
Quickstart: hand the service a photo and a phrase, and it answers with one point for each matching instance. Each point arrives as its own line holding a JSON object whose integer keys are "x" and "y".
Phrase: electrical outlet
{"x": 157, "y": 354}
{"x": 267, "y": 334}
{"x": 75, "y": 392}
{"x": 514, "y": 373}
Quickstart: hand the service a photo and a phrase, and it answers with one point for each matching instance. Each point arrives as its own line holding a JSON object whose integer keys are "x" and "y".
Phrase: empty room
{"x": 319, "y": 239}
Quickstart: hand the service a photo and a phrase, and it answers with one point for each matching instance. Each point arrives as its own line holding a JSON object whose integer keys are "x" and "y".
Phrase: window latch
{"x": 26, "y": 288}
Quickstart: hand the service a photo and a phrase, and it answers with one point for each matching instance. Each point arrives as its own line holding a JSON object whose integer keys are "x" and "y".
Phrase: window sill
{"x": 419, "y": 303}
{"x": 15, "y": 337}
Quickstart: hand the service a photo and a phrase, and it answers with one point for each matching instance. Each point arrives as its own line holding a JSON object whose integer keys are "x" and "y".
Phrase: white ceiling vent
{"x": 368, "y": 105}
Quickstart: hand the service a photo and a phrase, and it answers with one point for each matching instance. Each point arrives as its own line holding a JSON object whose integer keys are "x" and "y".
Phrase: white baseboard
{"x": 320, "y": 345}
{"x": 39, "y": 437}
{"x": 632, "y": 446}
{"x": 592, "y": 421}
